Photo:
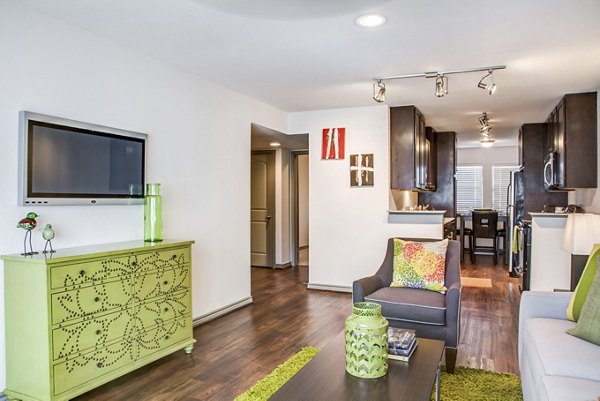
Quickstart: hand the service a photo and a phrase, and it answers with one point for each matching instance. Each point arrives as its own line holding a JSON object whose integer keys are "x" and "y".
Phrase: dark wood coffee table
{"x": 325, "y": 378}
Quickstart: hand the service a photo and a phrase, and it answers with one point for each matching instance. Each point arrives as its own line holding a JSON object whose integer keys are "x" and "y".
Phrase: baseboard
{"x": 283, "y": 266}
{"x": 329, "y": 287}
{"x": 221, "y": 311}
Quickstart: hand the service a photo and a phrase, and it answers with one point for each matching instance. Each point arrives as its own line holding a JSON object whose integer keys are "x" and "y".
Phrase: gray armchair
{"x": 432, "y": 314}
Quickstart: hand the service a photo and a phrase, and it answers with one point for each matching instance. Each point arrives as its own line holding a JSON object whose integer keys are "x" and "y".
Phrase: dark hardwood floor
{"x": 236, "y": 350}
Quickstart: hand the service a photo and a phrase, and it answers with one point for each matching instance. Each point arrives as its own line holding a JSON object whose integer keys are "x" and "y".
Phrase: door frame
{"x": 295, "y": 223}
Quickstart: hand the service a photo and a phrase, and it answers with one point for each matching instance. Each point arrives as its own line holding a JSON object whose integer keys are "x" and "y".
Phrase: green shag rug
{"x": 466, "y": 384}
{"x": 267, "y": 386}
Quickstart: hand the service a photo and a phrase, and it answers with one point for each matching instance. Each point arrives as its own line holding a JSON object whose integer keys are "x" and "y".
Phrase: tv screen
{"x": 68, "y": 162}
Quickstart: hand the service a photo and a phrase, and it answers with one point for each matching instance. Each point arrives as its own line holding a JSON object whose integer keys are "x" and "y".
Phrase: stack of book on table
{"x": 401, "y": 343}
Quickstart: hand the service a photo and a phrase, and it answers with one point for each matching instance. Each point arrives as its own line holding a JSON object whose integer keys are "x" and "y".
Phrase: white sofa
{"x": 555, "y": 366}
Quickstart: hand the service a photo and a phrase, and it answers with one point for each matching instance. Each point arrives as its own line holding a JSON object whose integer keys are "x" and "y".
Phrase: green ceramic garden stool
{"x": 366, "y": 341}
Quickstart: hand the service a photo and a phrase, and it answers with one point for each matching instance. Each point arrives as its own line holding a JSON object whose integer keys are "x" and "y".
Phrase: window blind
{"x": 500, "y": 181}
{"x": 469, "y": 188}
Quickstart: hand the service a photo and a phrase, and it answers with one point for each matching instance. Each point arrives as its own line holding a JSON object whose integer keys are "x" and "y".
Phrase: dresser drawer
{"x": 87, "y": 301}
{"x": 93, "y": 271}
{"x": 91, "y": 366}
{"x": 163, "y": 260}
{"x": 161, "y": 310}
{"x": 161, "y": 283}
{"x": 163, "y": 336}
{"x": 97, "y": 332}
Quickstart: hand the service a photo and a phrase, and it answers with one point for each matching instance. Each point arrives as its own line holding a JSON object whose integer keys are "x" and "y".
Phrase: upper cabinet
{"x": 412, "y": 149}
{"x": 444, "y": 198}
{"x": 570, "y": 143}
{"x": 531, "y": 153}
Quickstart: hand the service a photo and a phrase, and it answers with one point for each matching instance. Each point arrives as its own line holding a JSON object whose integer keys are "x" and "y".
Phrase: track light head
{"x": 487, "y": 140}
{"x": 379, "y": 91}
{"x": 441, "y": 85}
{"x": 490, "y": 86}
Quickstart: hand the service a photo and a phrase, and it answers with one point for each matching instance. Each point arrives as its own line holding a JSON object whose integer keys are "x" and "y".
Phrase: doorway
{"x": 262, "y": 209}
{"x": 277, "y": 229}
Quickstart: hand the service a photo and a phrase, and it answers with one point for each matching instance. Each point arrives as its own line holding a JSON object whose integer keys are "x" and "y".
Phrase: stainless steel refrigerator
{"x": 515, "y": 211}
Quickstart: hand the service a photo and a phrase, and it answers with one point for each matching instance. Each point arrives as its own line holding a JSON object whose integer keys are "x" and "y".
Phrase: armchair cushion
{"x": 420, "y": 264}
{"x": 411, "y": 305}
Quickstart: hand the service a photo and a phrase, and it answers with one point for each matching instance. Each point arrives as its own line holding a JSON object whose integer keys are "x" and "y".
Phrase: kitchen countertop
{"x": 539, "y": 214}
{"x": 426, "y": 212}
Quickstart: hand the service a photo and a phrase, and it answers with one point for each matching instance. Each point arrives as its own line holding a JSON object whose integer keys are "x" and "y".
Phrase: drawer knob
{"x": 166, "y": 309}
{"x": 98, "y": 332}
{"x": 82, "y": 272}
{"x": 165, "y": 282}
{"x": 166, "y": 337}
{"x": 97, "y": 299}
{"x": 174, "y": 257}
{"x": 134, "y": 263}
{"x": 99, "y": 365}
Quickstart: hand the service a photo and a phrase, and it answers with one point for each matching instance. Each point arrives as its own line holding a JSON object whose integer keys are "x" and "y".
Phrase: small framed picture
{"x": 333, "y": 143}
{"x": 361, "y": 170}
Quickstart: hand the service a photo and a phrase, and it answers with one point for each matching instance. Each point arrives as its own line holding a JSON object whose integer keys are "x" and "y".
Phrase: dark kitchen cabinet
{"x": 572, "y": 137}
{"x": 531, "y": 152}
{"x": 444, "y": 198}
{"x": 411, "y": 151}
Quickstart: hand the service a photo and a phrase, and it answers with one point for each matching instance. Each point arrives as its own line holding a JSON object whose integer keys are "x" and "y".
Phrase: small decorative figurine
{"x": 48, "y": 235}
{"x": 28, "y": 224}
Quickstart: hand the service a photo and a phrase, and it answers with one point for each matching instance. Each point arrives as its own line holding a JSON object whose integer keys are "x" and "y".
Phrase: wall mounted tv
{"x": 66, "y": 162}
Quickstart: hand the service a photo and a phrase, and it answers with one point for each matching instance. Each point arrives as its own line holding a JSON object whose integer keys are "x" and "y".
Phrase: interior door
{"x": 262, "y": 209}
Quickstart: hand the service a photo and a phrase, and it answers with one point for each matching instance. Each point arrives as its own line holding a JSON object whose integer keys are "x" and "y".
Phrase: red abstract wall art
{"x": 333, "y": 143}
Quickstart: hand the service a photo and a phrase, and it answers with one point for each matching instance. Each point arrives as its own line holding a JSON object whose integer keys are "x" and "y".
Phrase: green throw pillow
{"x": 581, "y": 291}
{"x": 588, "y": 325}
{"x": 420, "y": 264}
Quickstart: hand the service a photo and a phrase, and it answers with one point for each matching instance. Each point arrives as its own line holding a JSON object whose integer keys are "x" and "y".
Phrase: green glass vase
{"x": 153, "y": 214}
{"x": 366, "y": 341}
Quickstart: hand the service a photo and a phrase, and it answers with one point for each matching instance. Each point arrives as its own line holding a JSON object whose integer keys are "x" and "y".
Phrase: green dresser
{"x": 80, "y": 317}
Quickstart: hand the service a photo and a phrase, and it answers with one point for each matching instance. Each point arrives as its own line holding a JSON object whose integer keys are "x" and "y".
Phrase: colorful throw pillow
{"x": 581, "y": 291}
{"x": 420, "y": 264}
{"x": 588, "y": 325}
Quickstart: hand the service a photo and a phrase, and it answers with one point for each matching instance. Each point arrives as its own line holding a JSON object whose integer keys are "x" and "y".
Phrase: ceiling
{"x": 300, "y": 55}
{"x": 263, "y": 137}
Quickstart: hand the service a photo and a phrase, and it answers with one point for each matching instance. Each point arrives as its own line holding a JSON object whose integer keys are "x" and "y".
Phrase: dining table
{"x": 502, "y": 217}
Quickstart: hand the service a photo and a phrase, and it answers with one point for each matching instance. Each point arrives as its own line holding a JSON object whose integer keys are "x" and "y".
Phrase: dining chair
{"x": 485, "y": 226}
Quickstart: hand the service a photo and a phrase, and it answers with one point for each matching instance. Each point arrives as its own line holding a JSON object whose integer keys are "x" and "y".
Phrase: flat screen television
{"x": 66, "y": 162}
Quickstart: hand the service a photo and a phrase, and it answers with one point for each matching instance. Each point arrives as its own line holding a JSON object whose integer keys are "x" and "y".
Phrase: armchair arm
{"x": 365, "y": 286}
{"x": 453, "y": 296}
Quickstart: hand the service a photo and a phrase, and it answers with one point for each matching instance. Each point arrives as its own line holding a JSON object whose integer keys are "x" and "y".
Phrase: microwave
{"x": 551, "y": 171}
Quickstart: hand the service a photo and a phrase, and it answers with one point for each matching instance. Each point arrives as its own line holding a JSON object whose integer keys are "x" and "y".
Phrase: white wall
{"x": 348, "y": 227}
{"x": 303, "y": 209}
{"x": 199, "y": 147}
{"x": 488, "y": 157}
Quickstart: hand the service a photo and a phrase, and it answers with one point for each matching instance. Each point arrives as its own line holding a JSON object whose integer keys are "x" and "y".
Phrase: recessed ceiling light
{"x": 370, "y": 20}
{"x": 275, "y": 144}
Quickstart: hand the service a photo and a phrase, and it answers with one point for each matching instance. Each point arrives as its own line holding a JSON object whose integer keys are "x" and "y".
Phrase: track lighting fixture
{"x": 490, "y": 86}
{"x": 441, "y": 85}
{"x": 485, "y": 123}
{"x": 379, "y": 91}
{"x": 441, "y": 80}
{"x": 487, "y": 140}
